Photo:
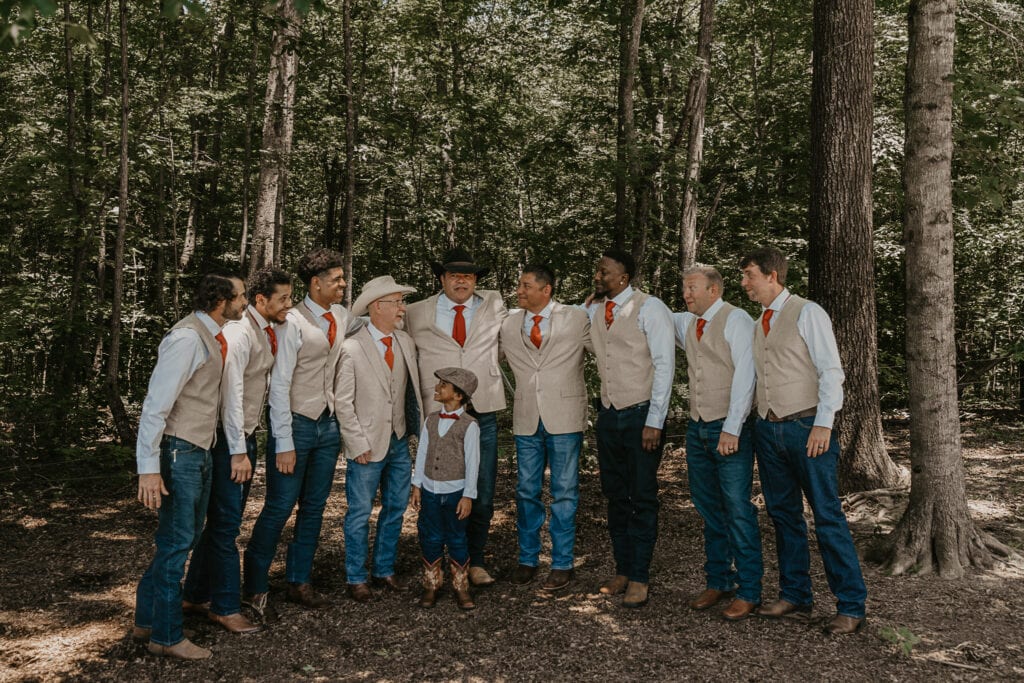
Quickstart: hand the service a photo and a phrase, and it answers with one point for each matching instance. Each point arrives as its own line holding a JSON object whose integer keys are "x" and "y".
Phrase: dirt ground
{"x": 69, "y": 568}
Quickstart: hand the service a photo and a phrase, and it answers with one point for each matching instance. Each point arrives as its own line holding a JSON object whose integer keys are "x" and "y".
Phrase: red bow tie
{"x": 449, "y": 416}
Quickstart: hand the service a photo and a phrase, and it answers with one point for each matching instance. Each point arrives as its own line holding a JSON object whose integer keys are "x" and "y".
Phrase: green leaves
{"x": 13, "y": 31}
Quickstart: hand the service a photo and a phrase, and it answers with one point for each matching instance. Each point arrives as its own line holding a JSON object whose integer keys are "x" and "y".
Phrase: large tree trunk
{"x": 842, "y": 263}
{"x": 122, "y": 424}
{"x": 631, "y": 17}
{"x": 936, "y": 532}
{"x": 250, "y": 106}
{"x": 696, "y": 104}
{"x": 278, "y": 123}
{"x": 351, "y": 122}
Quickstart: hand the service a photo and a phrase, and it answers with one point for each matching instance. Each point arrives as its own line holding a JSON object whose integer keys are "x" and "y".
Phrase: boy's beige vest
{"x": 194, "y": 415}
{"x": 446, "y": 455}
{"x": 710, "y": 368}
{"x": 313, "y": 379}
{"x": 787, "y": 381}
{"x": 623, "y": 357}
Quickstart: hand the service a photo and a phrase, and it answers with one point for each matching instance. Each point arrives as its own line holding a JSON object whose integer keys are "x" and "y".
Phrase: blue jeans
{"x": 787, "y": 474}
{"x": 720, "y": 489}
{"x": 316, "y": 453}
{"x": 629, "y": 480}
{"x": 185, "y": 469}
{"x": 439, "y": 526}
{"x": 214, "y": 574}
{"x": 483, "y": 506}
{"x": 392, "y": 475}
{"x": 562, "y": 452}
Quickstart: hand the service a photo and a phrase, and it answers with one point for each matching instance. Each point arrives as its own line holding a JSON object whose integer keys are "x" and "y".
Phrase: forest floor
{"x": 70, "y": 565}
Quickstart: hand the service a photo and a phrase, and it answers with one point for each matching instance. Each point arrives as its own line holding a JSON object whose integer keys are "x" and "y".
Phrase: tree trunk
{"x": 278, "y": 123}
{"x": 696, "y": 104}
{"x": 122, "y": 424}
{"x": 351, "y": 122}
{"x": 631, "y": 19}
{"x": 841, "y": 261}
{"x": 936, "y": 532}
{"x": 250, "y": 106}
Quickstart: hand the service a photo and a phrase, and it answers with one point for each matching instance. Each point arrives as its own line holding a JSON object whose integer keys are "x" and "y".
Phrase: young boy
{"x": 444, "y": 484}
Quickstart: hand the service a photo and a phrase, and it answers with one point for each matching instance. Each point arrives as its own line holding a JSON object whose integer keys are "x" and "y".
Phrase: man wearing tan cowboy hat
{"x": 378, "y": 405}
{"x": 458, "y": 327}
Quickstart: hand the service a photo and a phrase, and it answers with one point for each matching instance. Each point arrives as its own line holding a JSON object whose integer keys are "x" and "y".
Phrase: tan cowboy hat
{"x": 378, "y": 288}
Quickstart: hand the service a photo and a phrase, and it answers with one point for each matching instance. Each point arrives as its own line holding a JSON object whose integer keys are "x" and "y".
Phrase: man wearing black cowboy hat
{"x": 458, "y": 327}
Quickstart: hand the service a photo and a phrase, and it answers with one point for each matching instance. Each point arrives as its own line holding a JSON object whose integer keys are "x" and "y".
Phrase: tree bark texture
{"x": 278, "y": 124}
{"x": 696, "y": 104}
{"x": 122, "y": 424}
{"x": 936, "y": 532}
{"x": 630, "y": 24}
{"x": 841, "y": 259}
{"x": 351, "y": 122}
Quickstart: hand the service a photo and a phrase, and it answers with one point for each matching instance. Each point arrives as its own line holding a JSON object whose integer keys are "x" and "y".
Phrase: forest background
{"x": 144, "y": 143}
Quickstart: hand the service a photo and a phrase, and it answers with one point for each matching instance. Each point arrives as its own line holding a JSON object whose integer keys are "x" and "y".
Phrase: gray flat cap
{"x": 460, "y": 378}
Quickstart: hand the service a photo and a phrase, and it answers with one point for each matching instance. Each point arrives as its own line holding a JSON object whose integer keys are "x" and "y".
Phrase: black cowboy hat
{"x": 458, "y": 261}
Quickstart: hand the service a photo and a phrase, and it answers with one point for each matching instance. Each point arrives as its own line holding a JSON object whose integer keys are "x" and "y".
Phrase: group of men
{"x": 359, "y": 382}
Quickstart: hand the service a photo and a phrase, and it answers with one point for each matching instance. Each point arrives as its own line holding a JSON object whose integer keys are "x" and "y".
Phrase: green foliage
{"x": 900, "y": 636}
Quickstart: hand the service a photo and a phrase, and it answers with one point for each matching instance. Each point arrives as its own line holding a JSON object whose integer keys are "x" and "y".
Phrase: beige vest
{"x": 436, "y": 349}
{"x": 313, "y": 378}
{"x": 623, "y": 357}
{"x": 446, "y": 455}
{"x": 710, "y": 368}
{"x": 256, "y": 376}
{"x": 194, "y": 415}
{"x": 787, "y": 381}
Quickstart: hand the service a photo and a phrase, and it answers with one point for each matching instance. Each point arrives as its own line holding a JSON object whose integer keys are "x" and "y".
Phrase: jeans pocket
{"x": 807, "y": 423}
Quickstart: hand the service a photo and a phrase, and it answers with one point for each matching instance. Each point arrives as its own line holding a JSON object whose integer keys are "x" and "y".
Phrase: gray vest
{"x": 446, "y": 455}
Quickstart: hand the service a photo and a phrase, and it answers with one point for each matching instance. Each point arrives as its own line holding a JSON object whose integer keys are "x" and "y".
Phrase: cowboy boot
{"x": 460, "y": 584}
{"x": 432, "y": 580}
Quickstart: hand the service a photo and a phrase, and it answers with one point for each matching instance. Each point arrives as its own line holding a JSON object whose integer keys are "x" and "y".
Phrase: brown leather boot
{"x": 460, "y": 584}
{"x": 432, "y": 580}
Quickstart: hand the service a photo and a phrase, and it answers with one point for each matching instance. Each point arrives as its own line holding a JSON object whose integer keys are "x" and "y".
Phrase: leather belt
{"x": 810, "y": 412}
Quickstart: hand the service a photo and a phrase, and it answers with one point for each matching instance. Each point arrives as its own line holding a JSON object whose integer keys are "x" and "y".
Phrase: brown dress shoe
{"x": 523, "y": 575}
{"x": 738, "y": 610}
{"x": 557, "y": 579}
{"x": 391, "y": 583}
{"x": 196, "y": 609}
{"x": 614, "y": 586}
{"x": 360, "y": 592}
{"x": 261, "y": 606}
{"x": 478, "y": 576}
{"x": 708, "y": 598}
{"x": 841, "y": 625}
{"x": 185, "y": 649}
{"x": 304, "y": 594}
{"x": 460, "y": 584}
{"x": 432, "y": 580}
{"x": 636, "y": 595}
{"x": 784, "y": 608}
{"x": 234, "y": 623}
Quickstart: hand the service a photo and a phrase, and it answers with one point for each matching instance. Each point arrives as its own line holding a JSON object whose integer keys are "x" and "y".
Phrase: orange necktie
{"x": 459, "y": 326}
{"x": 701, "y": 322}
{"x": 766, "y": 321}
{"x": 609, "y": 318}
{"x": 535, "y": 331}
{"x": 389, "y": 355}
{"x": 223, "y": 347}
{"x": 332, "y": 331}
{"x": 272, "y": 337}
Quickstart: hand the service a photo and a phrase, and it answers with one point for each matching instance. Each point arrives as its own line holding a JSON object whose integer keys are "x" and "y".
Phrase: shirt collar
{"x": 210, "y": 323}
{"x": 780, "y": 300}
{"x": 458, "y": 411}
{"x": 261, "y": 322}
{"x": 375, "y": 333}
{"x": 448, "y": 304}
{"x": 713, "y": 309}
{"x": 544, "y": 312}
{"x": 316, "y": 309}
{"x": 624, "y": 295}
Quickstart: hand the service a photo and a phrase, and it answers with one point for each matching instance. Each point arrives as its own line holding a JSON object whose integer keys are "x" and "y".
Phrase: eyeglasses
{"x": 397, "y": 302}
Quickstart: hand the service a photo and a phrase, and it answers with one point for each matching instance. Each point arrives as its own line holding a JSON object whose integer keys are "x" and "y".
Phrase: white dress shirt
{"x": 471, "y": 448}
{"x": 815, "y": 328}
{"x": 739, "y": 335}
{"x": 655, "y": 320}
{"x": 545, "y": 323}
{"x": 445, "y": 316}
{"x": 181, "y": 353}
{"x": 288, "y": 345}
{"x": 232, "y": 414}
